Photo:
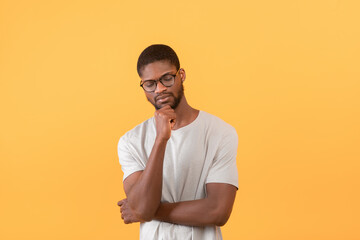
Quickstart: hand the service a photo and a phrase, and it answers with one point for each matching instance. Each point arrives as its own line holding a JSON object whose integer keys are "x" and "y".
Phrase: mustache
{"x": 163, "y": 95}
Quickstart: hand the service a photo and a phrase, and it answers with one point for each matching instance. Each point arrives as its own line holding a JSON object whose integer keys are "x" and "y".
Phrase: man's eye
{"x": 149, "y": 83}
{"x": 167, "y": 78}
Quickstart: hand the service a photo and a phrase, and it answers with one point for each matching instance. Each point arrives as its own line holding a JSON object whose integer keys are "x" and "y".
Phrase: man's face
{"x": 163, "y": 95}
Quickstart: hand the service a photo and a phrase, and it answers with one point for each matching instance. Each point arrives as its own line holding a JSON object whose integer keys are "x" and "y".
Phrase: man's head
{"x": 160, "y": 66}
{"x": 157, "y": 52}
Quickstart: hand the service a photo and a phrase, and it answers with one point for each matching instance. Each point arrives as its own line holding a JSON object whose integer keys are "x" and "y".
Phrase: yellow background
{"x": 284, "y": 73}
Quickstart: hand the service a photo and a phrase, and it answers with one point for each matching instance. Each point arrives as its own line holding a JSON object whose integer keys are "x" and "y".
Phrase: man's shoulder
{"x": 139, "y": 130}
{"x": 216, "y": 123}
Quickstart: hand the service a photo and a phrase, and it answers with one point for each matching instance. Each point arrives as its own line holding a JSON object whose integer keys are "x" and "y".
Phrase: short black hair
{"x": 157, "y": 52}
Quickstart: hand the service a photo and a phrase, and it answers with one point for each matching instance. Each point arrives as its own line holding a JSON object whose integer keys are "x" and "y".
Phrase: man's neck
{"x": 185, "y": 114}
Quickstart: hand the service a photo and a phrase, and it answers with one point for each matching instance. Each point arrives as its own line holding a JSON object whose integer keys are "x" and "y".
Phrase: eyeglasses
{"x": 167, "y": 80}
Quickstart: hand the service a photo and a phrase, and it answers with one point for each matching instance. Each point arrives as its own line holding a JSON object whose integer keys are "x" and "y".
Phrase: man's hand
{"x": 165, "y": 120}
{"x": 127, "y": 213}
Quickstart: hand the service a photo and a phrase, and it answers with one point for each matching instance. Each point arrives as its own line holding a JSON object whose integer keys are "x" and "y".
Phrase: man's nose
{"x": 160, "y": 88}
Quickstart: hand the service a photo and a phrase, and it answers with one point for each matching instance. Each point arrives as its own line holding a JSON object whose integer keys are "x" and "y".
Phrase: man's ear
{"x": 182, "y": 74}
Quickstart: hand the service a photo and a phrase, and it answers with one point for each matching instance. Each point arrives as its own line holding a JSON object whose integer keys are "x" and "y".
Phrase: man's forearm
{"x": 145, "y": 194}
{"x": 215, "y": 209}
{"x": 202, "y": 212}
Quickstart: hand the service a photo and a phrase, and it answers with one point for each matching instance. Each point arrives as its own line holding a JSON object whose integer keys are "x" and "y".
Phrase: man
{"x": 180, "y": 175}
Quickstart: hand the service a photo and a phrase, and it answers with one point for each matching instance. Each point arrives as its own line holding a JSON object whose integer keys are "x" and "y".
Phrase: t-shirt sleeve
{"x": 129, "y": 164}
{"x": 224, "y": 169}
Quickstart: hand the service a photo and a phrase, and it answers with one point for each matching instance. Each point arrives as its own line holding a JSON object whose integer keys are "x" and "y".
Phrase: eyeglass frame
{"x": 159, "y": 80}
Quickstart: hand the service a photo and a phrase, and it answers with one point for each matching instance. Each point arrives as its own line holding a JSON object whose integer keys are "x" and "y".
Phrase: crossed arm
{"x": 214, "y": 209}
{"x": 144, "y": 188}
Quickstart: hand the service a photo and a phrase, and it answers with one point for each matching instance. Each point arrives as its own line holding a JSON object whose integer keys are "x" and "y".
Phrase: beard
{"x": 173, "y": 104}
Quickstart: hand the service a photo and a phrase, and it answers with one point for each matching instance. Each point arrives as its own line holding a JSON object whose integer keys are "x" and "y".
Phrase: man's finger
{"x": 172, "y": 123}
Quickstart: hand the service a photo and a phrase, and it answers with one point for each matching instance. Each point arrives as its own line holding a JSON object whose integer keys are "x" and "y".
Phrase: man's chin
{"x": 161, "y": 105}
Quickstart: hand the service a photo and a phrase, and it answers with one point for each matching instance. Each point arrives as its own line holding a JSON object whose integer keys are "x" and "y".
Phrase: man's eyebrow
{"x": 159, "y": 77}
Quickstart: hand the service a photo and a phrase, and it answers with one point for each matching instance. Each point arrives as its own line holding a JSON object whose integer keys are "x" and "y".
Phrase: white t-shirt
{"x": 202, "y": 152}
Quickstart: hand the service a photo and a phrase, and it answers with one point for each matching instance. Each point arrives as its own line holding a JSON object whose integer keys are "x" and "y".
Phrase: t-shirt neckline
{"x": 190, "y": 125}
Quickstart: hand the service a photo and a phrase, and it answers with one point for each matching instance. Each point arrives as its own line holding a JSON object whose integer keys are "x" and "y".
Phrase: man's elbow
{"x": 221, "y": 217}
{"x": 221, "y": 221}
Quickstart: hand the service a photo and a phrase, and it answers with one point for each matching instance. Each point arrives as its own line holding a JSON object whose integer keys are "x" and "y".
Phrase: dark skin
{"x": 144, "y": 188}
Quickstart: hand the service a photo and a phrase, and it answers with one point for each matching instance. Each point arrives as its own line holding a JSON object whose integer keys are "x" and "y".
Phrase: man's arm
{"x": 143, "y": 189}
{"x": 215, "y": 209}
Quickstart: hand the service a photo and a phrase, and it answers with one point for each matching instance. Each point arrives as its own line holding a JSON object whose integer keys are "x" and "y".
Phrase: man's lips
{"x": 162, "y": 98}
